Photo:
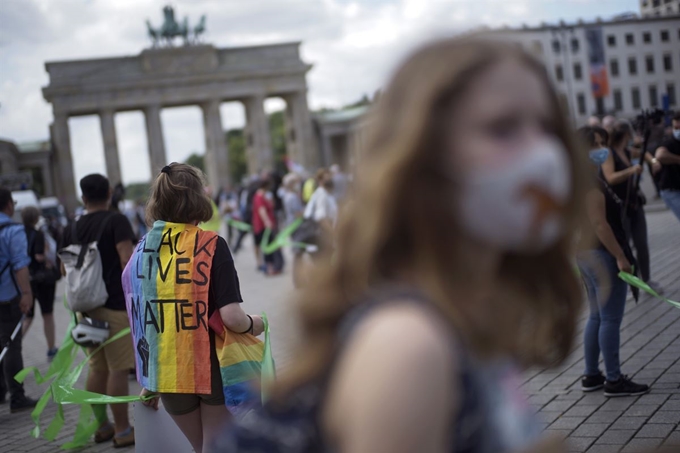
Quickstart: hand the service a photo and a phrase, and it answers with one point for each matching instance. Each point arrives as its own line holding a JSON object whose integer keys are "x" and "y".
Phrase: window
{"x": 578, "y": 75}
{"x": 647, "y": 37}
{"x": 618, "y": 101}
{"x": 667, "y": 63}
{"x": 611, "y": 41}
{"x": 653, "y": 96}
{"x": 559, "y": 74}
{"x": 614, "y": 67}
{"x": 575, "y": 45}
{"x": 556, "y": 46}
{"x": 630, "y": 39}
{"x": 649, "y": 64}
{"x": 635, "y": 95}
{"x": 670, "y": 91}
{"x": 632, "y": 66}
{"x": 656, "y": 3}
{"x": 581, "y": 102}
{"x": 664, "y": 36}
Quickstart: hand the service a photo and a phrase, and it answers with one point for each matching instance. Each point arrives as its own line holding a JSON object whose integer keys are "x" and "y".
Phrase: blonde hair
{"x": 397, "y": 222}
{"x": 178, "y": 196}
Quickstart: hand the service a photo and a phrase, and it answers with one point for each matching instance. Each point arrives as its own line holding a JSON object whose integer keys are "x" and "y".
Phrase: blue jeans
{"x": 607, "y": 299}
{"x": 672, "y": 200}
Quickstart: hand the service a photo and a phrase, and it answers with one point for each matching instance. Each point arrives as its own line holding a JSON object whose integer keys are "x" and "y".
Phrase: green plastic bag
{"x": 268, "y": 376}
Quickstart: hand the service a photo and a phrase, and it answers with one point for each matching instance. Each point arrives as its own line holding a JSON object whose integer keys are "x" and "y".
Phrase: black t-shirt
{"x": 614, "y": 213}
{"x": 670, "y": 174}
{"x": 36, "y": 246}
{"x": 224, "y": 285}
{"x": 625, "y": 190}
{"x": 117, "y": 229}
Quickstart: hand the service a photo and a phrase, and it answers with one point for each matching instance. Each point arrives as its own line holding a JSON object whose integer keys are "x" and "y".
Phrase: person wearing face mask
{"x": 669, "y": 156}
{"x": 599, "y": 269}
{"x": 622, "y": 176}
{"x": 451, "y": 267}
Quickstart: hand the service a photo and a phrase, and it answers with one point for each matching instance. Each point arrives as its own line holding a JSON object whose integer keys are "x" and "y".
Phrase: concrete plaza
{"x": 650, "y": 352}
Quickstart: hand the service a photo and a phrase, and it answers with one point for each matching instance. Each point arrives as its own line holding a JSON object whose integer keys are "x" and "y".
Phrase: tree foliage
{"x": 196, "y": 160}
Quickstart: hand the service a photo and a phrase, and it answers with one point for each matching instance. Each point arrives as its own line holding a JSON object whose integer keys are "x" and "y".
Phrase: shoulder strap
{"x": 31, "y": 241}
{"x": 83, "y": 247}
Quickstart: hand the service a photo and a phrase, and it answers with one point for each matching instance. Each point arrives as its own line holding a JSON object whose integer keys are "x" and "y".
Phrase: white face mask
{"x": 517, "y": 207}
{"x": 676, "y": 134}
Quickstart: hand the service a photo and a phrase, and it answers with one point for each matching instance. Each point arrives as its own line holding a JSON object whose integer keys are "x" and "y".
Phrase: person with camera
{"x": 599, "y": 267}
{"x": 43, "y": 278}
{"x": 622, "y": 175}
{"x": 669, "y": 156}
{"x": 16, "y": 299}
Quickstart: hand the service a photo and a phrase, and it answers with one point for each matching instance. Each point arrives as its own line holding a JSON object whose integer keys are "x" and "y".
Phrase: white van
{"x": 50, "y": 207}
{"x": 23, "y": 198}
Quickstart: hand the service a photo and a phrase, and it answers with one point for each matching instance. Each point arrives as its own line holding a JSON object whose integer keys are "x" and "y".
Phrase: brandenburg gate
{"x": 182, "y": 76}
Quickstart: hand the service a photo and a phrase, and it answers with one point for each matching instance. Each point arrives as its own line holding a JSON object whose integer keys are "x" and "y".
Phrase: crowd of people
{"x": 471, "y": 195}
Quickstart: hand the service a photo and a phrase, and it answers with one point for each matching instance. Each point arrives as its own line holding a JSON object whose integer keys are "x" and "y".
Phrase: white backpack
{"x": 85, "y": 286}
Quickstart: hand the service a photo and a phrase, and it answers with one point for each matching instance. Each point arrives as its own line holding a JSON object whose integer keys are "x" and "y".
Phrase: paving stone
{"x": 566, "y": 423}
{"x": 641, "y": 445}
{"x": 616, "y": 436}
{"x": 665, "y": 417}
{"x": 642, "y": 410}
{"x": 658, "y": 430}
{"x": 549, "y": 417}
{"x": 580, "y": 411}
{"x": 558, "y": 406}
{"x": 599, "y": 448}
{"x": 626, "y": 422}
{"x": 580, "y": 443}
{"x": 590, "y": 430}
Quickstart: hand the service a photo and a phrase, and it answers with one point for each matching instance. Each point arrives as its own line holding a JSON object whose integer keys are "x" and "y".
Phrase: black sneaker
{"x": 592, "y": 383}
{"x": 624, "y": 387}
{"x": 22, "y": 404}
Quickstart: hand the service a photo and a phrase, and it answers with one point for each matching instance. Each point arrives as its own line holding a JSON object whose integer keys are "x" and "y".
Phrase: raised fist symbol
{"x": 143, "y": 350}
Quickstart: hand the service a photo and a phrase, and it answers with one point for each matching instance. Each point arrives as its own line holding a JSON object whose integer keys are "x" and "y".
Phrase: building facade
{"x": 27, "y": 166}
{"x": 656, "y": 8}
{"x": 615, "y": 67}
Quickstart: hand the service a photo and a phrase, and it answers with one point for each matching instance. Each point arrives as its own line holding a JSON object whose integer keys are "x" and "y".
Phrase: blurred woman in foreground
{"x": 452, "y": 268}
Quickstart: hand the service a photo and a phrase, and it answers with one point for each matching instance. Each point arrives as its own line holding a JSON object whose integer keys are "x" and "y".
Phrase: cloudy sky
{"x": 353, "y": 46}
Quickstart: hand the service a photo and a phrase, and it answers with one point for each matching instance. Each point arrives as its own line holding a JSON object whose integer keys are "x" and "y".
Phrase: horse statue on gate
{"x": 199, "y": 29}
{"x": 172, "y": 29}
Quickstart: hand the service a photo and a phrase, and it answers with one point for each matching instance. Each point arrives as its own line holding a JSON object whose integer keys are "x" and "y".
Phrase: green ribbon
{"x": 282, "y": 239}
{"x": 61, "y": 391}
{"x": 240, "y": 225}
{"x": 634, "y": 281}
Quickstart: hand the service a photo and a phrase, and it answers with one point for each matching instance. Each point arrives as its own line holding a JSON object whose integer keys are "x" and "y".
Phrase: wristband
{"x": 250, "y": 329}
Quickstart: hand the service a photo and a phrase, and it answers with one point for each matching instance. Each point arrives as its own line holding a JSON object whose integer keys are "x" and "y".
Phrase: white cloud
{"x": 352, "y": 44}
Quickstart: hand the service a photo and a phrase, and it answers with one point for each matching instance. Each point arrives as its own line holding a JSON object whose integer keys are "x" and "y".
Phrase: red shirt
{"x": 260, "y": 200}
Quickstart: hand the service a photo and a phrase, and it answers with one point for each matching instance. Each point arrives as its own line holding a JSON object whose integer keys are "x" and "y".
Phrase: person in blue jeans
{"x": 668, "y": 154}
{"x": 606, "y": 292}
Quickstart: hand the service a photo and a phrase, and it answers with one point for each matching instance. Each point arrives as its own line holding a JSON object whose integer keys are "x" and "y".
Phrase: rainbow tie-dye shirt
{"x": 166, "y": 285}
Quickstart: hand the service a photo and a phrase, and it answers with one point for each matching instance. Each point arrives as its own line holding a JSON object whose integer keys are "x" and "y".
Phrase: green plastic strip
{"x": 633, "y": 280}
{"x": 240, "y": 225}
{"x": 268, "y": 368}
{"x": 282, "y": 239}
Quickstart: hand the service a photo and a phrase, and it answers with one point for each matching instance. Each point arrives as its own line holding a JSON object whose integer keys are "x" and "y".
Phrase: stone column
{"x": 300, "y": 142}
{"x": 47, "y": 179}
{"x": 62, "y": 142}
{"x": 258, "y": 141}
{"x": 154, "y": 134}
{"x": 216, "y": 155}
{"x": 107, "y": 123}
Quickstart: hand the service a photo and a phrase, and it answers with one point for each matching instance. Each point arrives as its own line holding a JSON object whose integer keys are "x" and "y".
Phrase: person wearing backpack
{"x": 111, "y": 234}
{"x": 43, "y": 278}
{"x": 16, "y": 299}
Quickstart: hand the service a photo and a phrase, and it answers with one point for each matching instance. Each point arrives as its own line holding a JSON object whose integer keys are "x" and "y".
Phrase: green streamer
{"x": 634, "y": 281}
{"x": 240, "y": 225}
{"x": 61, "y": 390}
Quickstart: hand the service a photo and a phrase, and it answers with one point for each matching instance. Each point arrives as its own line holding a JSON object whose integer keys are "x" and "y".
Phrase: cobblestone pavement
{"x": 650, "y": 352}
